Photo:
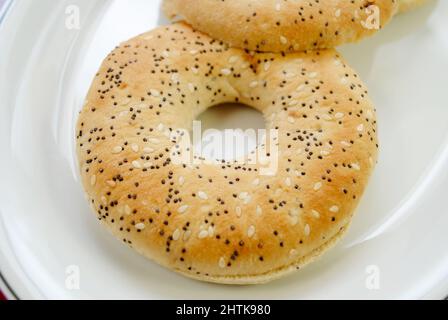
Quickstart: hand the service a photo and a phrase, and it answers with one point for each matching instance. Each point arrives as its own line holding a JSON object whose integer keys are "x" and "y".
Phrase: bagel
{"x": 224, "y": 222}
{"x": 284, "y": 26}
{"x": 408, "y": 5}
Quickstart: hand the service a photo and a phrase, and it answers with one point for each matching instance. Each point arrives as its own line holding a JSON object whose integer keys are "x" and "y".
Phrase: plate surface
{"x": 396, "y": 247}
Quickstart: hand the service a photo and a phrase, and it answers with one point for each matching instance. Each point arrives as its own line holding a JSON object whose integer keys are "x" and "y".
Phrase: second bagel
{"x": 284, "y": 26}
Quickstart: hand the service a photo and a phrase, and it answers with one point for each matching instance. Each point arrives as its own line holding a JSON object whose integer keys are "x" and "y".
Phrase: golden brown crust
{"x": 272, "y": 274}
{"x": 407, "y": 5}
{"x": 224, "y": 222}
{"x": 283, "y": 26}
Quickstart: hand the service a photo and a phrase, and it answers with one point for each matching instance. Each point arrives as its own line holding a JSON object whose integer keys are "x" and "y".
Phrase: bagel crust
{"x": 224, "y": 222}
{"x": 284, "y": 25}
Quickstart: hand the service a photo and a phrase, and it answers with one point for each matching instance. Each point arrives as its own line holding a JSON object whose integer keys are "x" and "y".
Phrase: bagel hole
{"x": 229, "y": 131}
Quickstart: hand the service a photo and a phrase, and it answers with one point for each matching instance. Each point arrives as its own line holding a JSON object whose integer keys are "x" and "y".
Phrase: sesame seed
{"x": 111, "y": 183}
{"x": 226, "y": 72}
{"x": 253, "y": 84}
{"x": 251, "y": 231}
{"x": 117, "y": 149}
{"x": 148, "y": 150}
{"x": 181, "y": 180}
{"x": 283, "y": 40}
{"x": 147, "y": 165}
{"x": 93, "y": 180}
{"x": 267, "y": 65}
{"x": 291, "y": 120}
{"x": 256, "y": 182}
{"x": 183, "y": 209}
{"x": 294, "y": 212}
{"x": 258, "y": 211}
{"x": 127, "y": 210}
{"x": 301, "y": 88}
{"x": 315, "y": 214}
{"x": 317, "y": 186}
{"x": 339, "y": 115}
{"x": 233, "y": 59}
{"x": 337, "y": 13}
{"x": 203, "y": 234}
{"x": 360, "y": 128}
{"x": 238, "y": 212}
{"x": 288, "y": 182}
{"x": 222, "y": 263}
{"x": 175, "y": 77}
{"x": 292, "y": 253}
{"x": 356, "y": 166}
{"x": 176, "y": 235}
{"x": 307, "y": 230}
{"x": 140, "y": 226}
{"x": 243, "y": 195}
{"x": 334, "y": 209}
{"x": 202, "y": 195}
{"x": 294, "y": 220}
{"x": 135, "y": 148}
{"x": 293, "y": 103}
{"x": 123, "y": 113}
{"x": 136, "y": 164}
{"x": 191, "y": 87}
{"x": 154, "y": 140}
{"x": 187, "y": 235}
{"x": 154, "y": 93}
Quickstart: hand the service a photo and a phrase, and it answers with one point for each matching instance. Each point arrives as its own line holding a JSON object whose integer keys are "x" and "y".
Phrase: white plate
{"x": 400, "y": 228}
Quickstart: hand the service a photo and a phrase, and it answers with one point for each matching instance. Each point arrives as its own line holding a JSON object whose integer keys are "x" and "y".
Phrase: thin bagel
{"x": 224, "y": 222}
{"x": 284, "y": 26}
